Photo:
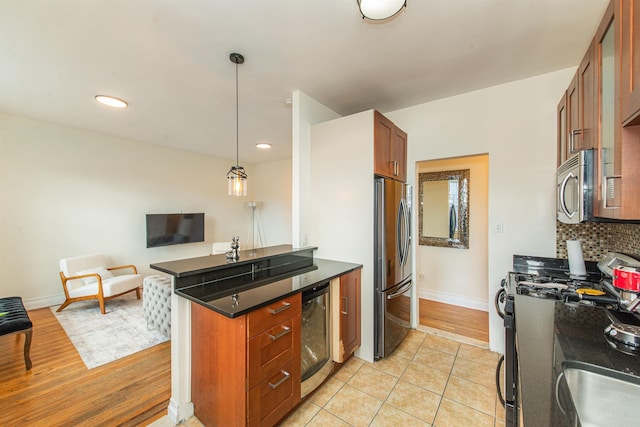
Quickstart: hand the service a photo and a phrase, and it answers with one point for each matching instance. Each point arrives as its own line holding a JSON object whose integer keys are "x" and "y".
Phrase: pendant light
{"x": 378, "y": 10}
{"x": 237, "y": 177}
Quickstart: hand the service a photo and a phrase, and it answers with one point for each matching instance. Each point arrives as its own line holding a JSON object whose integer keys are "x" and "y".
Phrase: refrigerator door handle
{"x": 399, "y": 231}
{"x": 400, "y": 291}
{"x": 402, "y": 228}
{"x": 407, "y": 231}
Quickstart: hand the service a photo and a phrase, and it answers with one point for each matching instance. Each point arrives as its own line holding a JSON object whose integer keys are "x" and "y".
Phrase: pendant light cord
{"x": 237, "y": 119}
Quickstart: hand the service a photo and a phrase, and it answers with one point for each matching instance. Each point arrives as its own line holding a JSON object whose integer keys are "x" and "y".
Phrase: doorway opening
{"x": 452, "y": 282}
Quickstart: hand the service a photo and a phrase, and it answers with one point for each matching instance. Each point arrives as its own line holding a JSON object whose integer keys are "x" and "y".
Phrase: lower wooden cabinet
{"x": 345, "y": 296}
{"x": 246, "y": 370}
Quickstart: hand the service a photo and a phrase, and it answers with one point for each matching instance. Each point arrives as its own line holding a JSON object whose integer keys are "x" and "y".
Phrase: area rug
{"x": 102, "y": 338}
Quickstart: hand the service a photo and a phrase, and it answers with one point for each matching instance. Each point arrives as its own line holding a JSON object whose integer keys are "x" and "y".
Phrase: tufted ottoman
{"x": 156, "y": 303}
{"x": 15, "y": 320}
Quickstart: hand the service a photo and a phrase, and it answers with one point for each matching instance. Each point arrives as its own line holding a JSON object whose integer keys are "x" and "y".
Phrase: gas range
{"x": 571, "y": 290}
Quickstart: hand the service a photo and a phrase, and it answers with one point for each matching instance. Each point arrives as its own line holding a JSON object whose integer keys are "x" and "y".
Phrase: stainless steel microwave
{"x": 574, "y": 201}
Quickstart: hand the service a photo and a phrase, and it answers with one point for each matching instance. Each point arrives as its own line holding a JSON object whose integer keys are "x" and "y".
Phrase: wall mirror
{"x": 444, "y": 208}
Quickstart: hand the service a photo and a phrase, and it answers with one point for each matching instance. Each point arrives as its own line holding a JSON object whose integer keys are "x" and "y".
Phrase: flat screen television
{"x": 174, "y": 229}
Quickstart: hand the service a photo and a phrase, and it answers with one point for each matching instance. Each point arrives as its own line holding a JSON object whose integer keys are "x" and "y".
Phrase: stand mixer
{"x": 623, "y": 280}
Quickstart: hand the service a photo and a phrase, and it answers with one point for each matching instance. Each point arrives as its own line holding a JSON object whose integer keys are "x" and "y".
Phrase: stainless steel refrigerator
{"x": 392, "y": 276}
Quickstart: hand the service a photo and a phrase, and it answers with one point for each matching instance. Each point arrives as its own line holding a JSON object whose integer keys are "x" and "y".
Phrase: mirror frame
{"x": 462, "y": 175}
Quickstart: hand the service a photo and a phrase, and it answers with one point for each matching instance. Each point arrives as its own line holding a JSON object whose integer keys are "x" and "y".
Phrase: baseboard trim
{"x": 43, "y": 302}
{"x": 446, "y": 298}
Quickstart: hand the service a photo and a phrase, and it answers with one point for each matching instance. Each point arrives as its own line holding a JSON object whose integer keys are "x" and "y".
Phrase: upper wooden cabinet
{"x": 390, "y": 149}
{"x": 578, "y": 110}
{"x": 630, "y": 63}
{"x": 601, "y": 110}
{"x": 618, "y": 176}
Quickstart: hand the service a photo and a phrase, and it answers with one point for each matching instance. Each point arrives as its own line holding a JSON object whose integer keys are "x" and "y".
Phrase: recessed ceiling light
{"x": 111, "y": 101}
{"x": 263, "y": 145}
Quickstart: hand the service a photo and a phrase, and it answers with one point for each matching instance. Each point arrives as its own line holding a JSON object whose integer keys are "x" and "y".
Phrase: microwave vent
{"x": 571, "y": 163}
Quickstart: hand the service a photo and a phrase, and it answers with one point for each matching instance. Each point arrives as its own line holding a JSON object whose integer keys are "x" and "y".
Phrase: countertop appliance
{"x": 574, "y": 202}
{"x": 392, "y": 275}
{"x": 551, "y": 321}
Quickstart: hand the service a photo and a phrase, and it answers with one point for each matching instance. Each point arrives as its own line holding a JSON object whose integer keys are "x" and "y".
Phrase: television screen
{"x": 174, "y": 229}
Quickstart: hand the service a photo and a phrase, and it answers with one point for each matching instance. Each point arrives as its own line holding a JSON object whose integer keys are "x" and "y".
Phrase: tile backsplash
{"x": 598, "y": 238}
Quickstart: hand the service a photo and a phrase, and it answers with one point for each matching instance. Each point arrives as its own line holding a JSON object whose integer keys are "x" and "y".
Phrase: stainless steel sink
{"x": 603, "y": 397}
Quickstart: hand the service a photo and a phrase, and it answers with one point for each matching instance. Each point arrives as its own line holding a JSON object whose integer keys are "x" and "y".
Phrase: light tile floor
{"x": 429, "y": 380}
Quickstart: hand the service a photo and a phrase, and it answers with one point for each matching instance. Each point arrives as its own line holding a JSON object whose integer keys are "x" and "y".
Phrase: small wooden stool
{"x": 15, "y": 320}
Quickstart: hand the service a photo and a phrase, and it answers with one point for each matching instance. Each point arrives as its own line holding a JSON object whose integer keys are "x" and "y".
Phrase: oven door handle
{"x": 498, "y": 385}
{"x": 500, "y": 296}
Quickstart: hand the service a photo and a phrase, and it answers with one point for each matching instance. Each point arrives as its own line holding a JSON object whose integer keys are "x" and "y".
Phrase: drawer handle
{"x": 284, "y": 332}
{"x": 281, "y": 380}
{"x": 283, "y": 307}
{"x": 346, "y": 306}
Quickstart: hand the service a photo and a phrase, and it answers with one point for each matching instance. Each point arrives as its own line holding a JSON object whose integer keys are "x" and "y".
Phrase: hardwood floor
{"x": 60, "y": 391}
{"x": 458, "y": 320}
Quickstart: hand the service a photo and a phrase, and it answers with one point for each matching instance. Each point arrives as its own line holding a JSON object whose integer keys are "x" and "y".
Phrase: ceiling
{"x": 170, "y": 60}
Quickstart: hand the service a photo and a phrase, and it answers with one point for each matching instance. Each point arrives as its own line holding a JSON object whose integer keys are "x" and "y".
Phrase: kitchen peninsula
{"x": 236, "y": 331}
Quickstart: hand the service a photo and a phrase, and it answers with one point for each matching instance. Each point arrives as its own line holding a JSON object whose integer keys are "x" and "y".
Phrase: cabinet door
{"x": 573, "y": 117}
{"x": 630, "y": 62}
{"x": 399, "y": 154}
{"x": 561, "y": 116}
{"x": 607, "y": 194}
{"x": 350, "y": 312}
{"x": 383, "y": 136}
{"x": 588, "y": 102}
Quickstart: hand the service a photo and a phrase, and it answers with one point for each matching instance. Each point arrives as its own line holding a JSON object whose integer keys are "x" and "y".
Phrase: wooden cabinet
{"x": 246, "y": 370}
{"x": 346, "y": 318}
{"x": 618, "y": 176}
{"x": 601, "y": 110}
{"x": 577, "y": 110}
{"x": 562, "y": 119}
{"x": 390, "y": 149}
{"x": 630, "y": 63}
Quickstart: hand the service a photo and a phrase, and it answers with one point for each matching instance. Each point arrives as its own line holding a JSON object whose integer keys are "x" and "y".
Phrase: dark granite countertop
{"x": 217, "y": 295}
{"x": 199, "y": 265}
{"x": 549, "y": 333}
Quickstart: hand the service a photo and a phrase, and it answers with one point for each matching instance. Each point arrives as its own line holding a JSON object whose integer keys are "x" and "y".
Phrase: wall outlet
{"x": 420, "y": 276}
{"x": 498, "y": 227}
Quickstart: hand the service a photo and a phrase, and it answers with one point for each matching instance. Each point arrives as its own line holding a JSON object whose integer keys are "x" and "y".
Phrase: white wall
{"x": 451, "y": 275}
{"x": 342, "y": 204}
{"x": 306, "y": 112}
{"x": 271, "y": 184}
{"x": 515, "y": 123}
{"x": 68, "y": 192}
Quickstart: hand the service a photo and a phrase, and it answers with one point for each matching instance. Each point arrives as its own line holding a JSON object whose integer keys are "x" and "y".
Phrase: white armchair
{"x": 87, "y": 277}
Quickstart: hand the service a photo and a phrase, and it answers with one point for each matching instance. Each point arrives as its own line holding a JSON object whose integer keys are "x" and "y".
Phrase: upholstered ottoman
{"x": 156, "y": 303}
{"x": 15, "y": 320}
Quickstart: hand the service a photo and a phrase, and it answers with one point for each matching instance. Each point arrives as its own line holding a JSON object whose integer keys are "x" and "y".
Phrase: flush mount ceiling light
{"x": 111, "y": 101}
{"x": 378, "y": 10}
{"x": 263, "y": 145}
{"x": 237, "y": 177}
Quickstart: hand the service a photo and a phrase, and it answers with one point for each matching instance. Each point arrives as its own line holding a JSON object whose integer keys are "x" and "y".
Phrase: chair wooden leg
{"x": 63, "y": 306}
{"x": 138, "y": 292}
{"x": 102, "y": 310}
{"x": 27, "y": 347}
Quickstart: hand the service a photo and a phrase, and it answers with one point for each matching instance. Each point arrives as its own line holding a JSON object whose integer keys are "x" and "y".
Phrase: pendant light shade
{"x": 237, "y": 177}
{"x": 377, "y": 10}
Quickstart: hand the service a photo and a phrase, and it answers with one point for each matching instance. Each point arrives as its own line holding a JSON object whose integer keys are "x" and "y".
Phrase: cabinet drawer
{"x": 272, "y": 315}
{"x": 270, "y": 400}
{"x": 270, "y": 349}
